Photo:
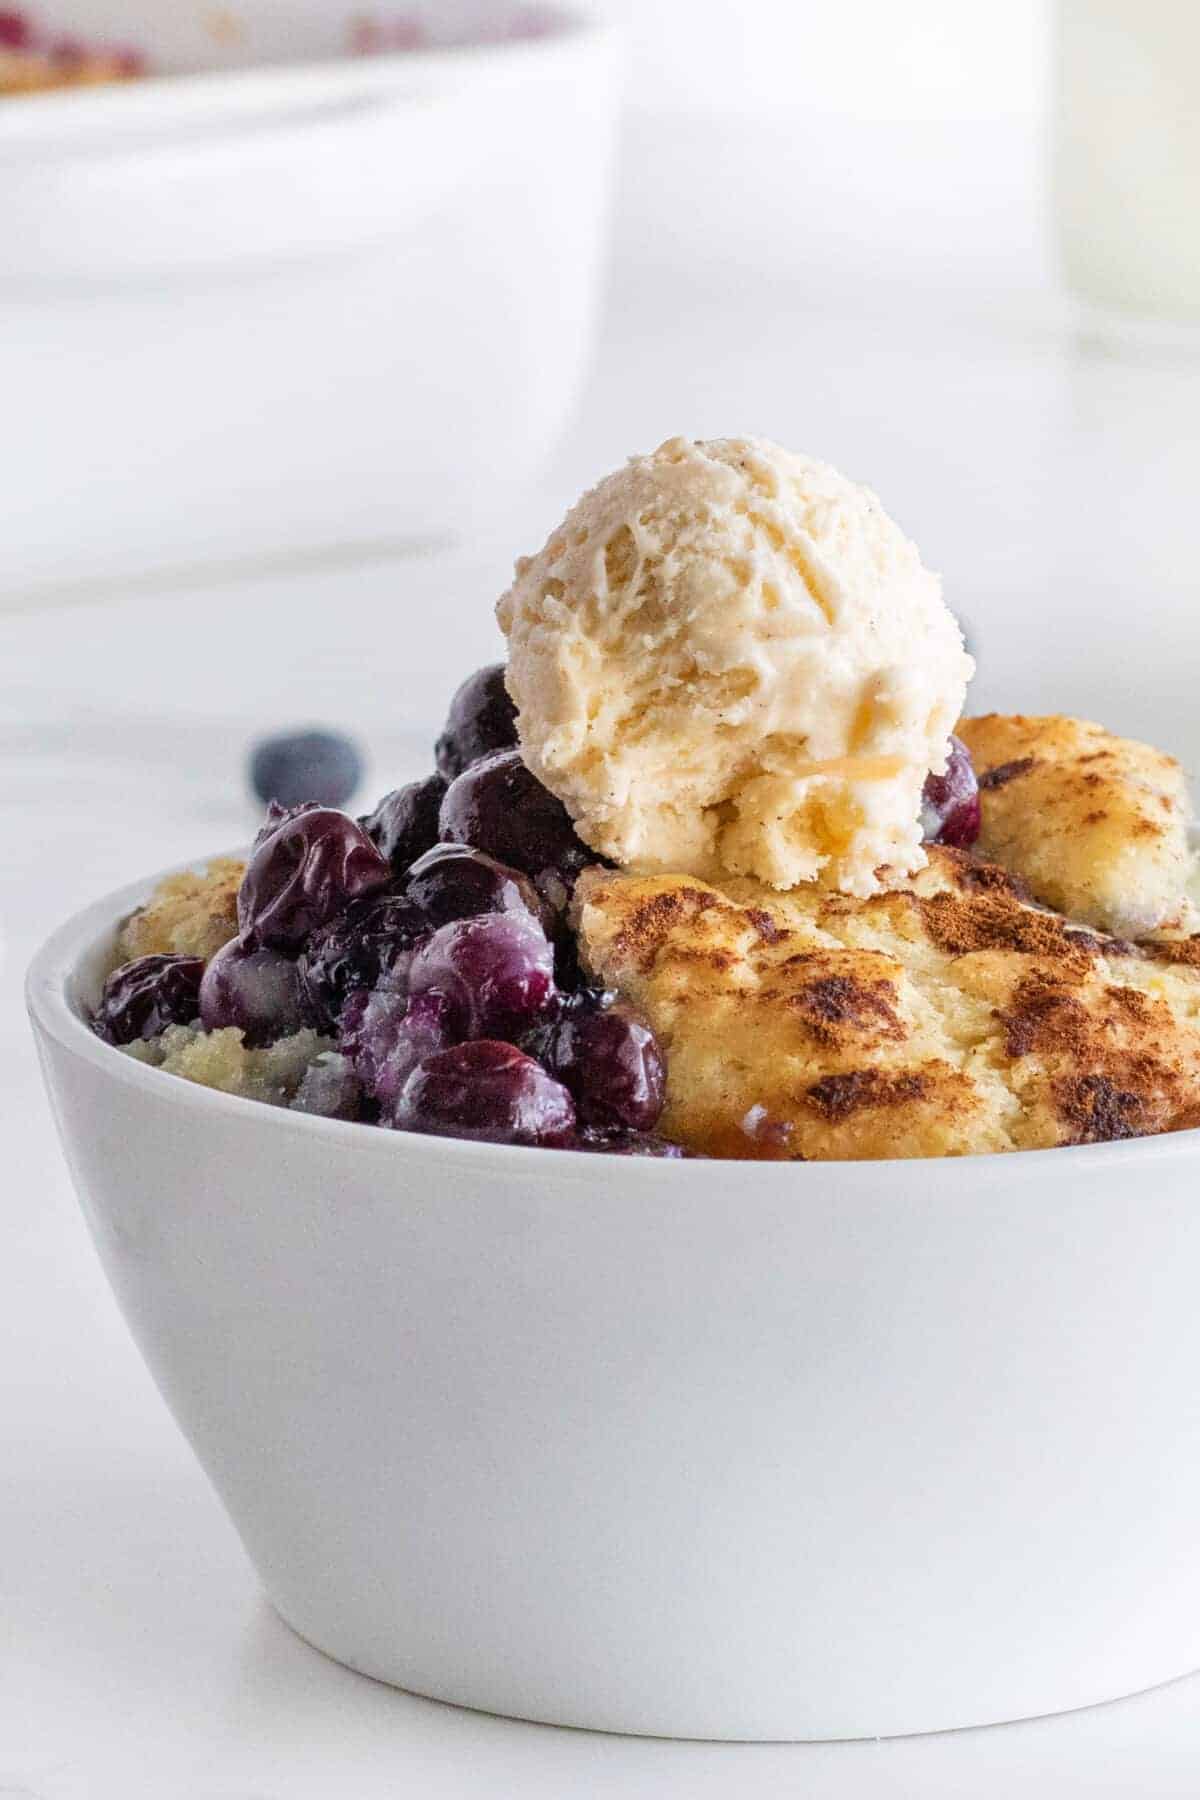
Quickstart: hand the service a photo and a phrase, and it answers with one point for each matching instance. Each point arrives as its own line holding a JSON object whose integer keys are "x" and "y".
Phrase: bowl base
{"x": 809, "y": 1735}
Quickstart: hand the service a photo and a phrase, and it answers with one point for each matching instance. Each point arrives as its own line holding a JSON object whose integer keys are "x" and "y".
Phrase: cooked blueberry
{"x": 482, "y": 718}
{"x": 305, "y": 765}
{"x": 405, "y": 823}
{"x": 610, "y": 1060}
{"x": 950, "y": 812}
{"x": 277, "y": 814}
{"x": 303, "y": 873}
{"x": 143, "y": 997}
{"x": 498, "y": 806}
{"x": 486, "y": 1090}
{"x": 452, "y": 881}
{"x": 329, "y": 1088}
{"x": 259, "y": 991}
{"x": 629, "y": 1143}
{"x": 368, "y": 945}
{"x": 386, "y": 1035}
{"x": 497, "y": 971}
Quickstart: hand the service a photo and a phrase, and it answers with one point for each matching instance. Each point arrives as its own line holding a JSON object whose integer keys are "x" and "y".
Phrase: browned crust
{"x": 1095, "y": 824}
{"x": 189, "y": 914}
{"x": 945, "y": 1016}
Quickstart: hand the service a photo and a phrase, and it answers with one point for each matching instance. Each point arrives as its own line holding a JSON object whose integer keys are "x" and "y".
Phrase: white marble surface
{"x": 1056, "y": 489}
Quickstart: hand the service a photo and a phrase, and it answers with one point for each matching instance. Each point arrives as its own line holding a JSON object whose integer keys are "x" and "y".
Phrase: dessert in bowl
{"x": 707, "y": 854}
{"x": 866, "y": 1438}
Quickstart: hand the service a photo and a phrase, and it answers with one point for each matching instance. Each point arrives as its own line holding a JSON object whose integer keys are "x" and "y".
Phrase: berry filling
{"x": 500, "y": 806}
{"x": 950, "y": 810}
{"x": 147, "y": 995}
{"x": 421, "y": 955}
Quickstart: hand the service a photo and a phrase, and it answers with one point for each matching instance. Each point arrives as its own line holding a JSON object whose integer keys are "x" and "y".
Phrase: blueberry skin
{"x": 294, "y": 766}
{"x": 628, "y": 1143}
{"x": 304, "y": 872}
{"x": 488, "y": 1091}
{"x": 368, "y": 945}
{"x": 950, "y": 809}
{"x": 608, "y": 1057}
{"x": 405, "y": 823}
{"x": 496, "y": 970}
{"x": 499, "y": 806}
{"x": 452, "y": 881}
{"x": 385, "y": 1036}
{"x": 143, "y": 997}
{"x": 482, "y": 718}
{"x": 258, "y": 991}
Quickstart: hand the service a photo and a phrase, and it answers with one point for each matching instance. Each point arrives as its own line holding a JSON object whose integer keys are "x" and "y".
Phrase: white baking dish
{"x": 336, "y": 301}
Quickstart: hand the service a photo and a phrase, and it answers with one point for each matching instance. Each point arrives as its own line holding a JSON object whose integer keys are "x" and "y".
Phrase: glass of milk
{"x": 1127, "y": 160}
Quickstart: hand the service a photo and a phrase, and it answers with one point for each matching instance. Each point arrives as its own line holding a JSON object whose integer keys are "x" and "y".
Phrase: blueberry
{"x": 498, "y": 806}
{"x": 452, "y": 881}
{"x": 488, "y": 1091}
{"x": 368, "y": 945}
{"x": 277, "y": 815}
{"x": 497, "y": 971}
{"x": 610, "y": 1060}
{"x": 329, "y": 1088}
{"x": 143, "y": 997}
{"x": 386, "y": 1035}
{"x": 628, "y": 1143}
{"x": 405, "y": 823}
{"x": 304, "y": 872}
{"x": 259, "y": 991}
{"x": 950, "y": 812}
{"x": 482, "y": 718}
{"x": 305, "y": 765}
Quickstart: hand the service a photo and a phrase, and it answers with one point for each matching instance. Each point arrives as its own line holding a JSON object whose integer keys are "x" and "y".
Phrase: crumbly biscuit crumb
{"x": 189, "y": 914}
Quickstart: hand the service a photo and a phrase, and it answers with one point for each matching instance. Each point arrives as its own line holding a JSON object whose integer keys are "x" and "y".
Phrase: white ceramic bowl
{"x": 264, "y": 309}
{"x": 698, "y": 1449}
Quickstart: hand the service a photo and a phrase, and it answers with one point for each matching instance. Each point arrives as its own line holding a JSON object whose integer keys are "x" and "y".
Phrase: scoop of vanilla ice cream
{"x": 728, "y": 658}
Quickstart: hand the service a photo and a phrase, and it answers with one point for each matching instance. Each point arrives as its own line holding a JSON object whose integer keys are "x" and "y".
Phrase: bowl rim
{"x": 55, "y": 968}
{"x": 174, "y": 98}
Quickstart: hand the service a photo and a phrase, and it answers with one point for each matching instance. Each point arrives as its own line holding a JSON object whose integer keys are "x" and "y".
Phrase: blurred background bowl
{"x": 339, "y": 300}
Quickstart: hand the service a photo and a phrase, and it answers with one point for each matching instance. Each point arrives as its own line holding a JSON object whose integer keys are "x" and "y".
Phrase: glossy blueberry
{"x": 452, "y": 881}
{"x": 489, "y": 1091}
{"x": 497, "y": 970}
{"x": 302, "y": 874}
{"x": 386, "y": 1035}
{"x": 405, "y": 823}
{"x": 259, "y": 991}
{"x": 498, "y": 806}
{"x": 482, "y": 718}
{"x": 143, "y": 997}
{"x": 609, "y": 1058}
{"x": 305, "y": 765}
{"x": 329, "y": 1088}
{"x": 368, "y": 945}
{"x": 629, "y": 1143}
{"x": 277, "y": 814}
{"x": 950, "y": 812}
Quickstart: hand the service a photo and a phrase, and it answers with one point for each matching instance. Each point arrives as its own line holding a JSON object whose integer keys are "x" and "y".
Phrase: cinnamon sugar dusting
{"x": 1003, "y": 773}
{"x": 945, "y": 1017}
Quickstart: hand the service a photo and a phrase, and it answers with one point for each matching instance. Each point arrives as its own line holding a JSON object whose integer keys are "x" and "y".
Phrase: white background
{"x": 833, "y": 229}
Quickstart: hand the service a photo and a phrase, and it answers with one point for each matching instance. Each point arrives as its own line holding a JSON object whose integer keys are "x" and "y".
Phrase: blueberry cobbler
{"x": 713, "y": 865}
